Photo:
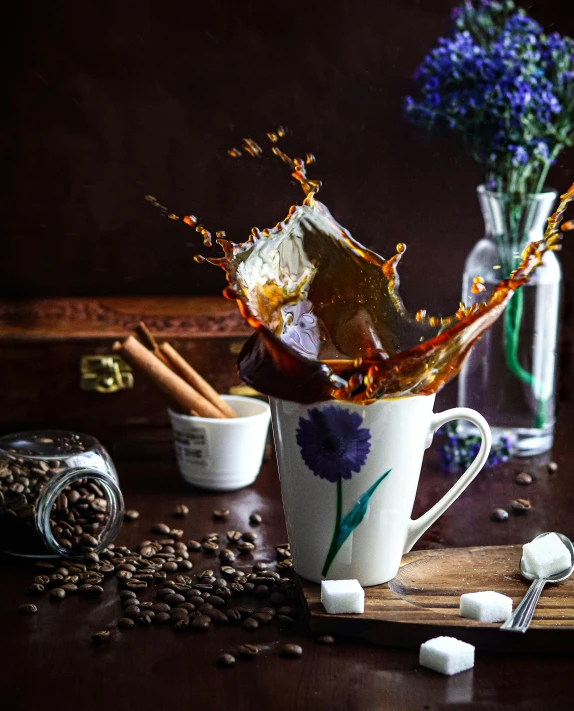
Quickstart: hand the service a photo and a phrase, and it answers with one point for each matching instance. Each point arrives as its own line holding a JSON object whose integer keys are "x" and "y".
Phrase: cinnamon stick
{"x": 146, "y": 337}
{"x": 193, "y": 378}
{"x": 180, "y": 393}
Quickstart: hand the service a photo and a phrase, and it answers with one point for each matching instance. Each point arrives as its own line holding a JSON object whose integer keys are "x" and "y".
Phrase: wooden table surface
{"x": 48, "y": 660}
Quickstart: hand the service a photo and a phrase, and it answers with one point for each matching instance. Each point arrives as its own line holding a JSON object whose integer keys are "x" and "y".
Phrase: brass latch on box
{"x": 105, "y": 374}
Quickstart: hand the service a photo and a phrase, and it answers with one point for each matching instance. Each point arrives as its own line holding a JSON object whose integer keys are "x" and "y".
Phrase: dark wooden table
{"x": 49, "y": 662}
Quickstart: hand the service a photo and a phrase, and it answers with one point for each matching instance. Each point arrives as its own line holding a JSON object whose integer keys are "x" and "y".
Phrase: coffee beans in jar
{"x": 59, "y": 495}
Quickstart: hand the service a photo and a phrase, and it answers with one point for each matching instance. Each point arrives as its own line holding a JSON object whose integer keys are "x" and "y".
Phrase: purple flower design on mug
{"x": 335, "y": 446}
{"x": 332, "y": 442}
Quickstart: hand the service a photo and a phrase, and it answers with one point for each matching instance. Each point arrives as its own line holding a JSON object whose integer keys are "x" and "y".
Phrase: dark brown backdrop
{"x": 113, "y": 100}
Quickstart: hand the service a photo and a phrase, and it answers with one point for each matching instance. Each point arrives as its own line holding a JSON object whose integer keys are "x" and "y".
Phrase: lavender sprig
{"x": 505, "y": 88}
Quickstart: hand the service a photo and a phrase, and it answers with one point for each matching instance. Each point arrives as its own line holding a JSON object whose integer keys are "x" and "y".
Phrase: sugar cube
{"x": 546, "y": 556}
{"x": 487, "y": 606}
{"x": 446, "y": 655}
{"x": 342, "y": 596}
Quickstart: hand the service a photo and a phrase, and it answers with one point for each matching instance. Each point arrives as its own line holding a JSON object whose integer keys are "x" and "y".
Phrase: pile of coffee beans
{"x": 159, "y": 569}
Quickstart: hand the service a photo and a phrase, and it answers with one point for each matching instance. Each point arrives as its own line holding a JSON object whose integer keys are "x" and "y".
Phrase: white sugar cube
{"x": 546, "y": 556}
{"x": 446, "y": 655}
{"x": 342, "y": 596}
{"x": 487, "y": 606}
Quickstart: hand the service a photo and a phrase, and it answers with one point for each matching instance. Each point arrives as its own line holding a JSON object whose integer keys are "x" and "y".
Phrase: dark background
{"x": 111, "y": 101}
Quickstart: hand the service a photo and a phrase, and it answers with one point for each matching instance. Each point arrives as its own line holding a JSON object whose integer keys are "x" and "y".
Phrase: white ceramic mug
{"x": 349, "y": 476}
{"x": 222, "y": 454}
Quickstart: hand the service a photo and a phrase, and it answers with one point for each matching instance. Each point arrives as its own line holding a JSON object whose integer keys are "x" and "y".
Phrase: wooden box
{"x": 47, "y": 378}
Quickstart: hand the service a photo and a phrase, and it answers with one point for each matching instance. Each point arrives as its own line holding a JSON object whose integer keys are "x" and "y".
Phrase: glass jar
{"x": 59, "y": 495}
{"x": 510, "y": 374}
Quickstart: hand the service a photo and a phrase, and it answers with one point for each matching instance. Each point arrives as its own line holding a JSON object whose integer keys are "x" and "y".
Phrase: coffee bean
{"x": 250, "y": 624}
{"x": 216, "y": 601}
{"x": 225, "y": 660}
{"x": 100, "y": 637}
{"x": 523, "y": 478}
{"x": 248, "y": 651}
{"x": 248, "y": 587}
{"x": 233, "y": 615}
{"x": 226, "y": 556}
{"x": 326, "y": 639}
{"x": 233, "y": 536}
{"x": 201, "y": 623}
{"x": 499, "y": 515}
{"x": 196, "y": 600}
{"x": 160, "y": 607}
{"x": 189, "y": 606}
{"x": 42, "y": 580}
{"x": 221, "y": 513}
{"x": 146, "y": 606}
{"x": 124, "y": 575}
{"x": 131, "y": 515}
{"x": 144, "y": 619}
{"x": 291, "y": 650}
{"x": 57, "y": 594}
{"x": 178, "y": 614}
{"x": 130, "y": 602}
{"x": 27, "y": 609}
{"x": 36, "y": 589}
{"x": 125, "y": 623}
{"x": 210, "y": 546}
{"x": 91, "y": 591}
{"x": 259, "y": 566}
{"x": 182, "y": 625}
{"x": 44, "y": 564}
{"x": 127, "y": 595}
{"x": 249, "y": 536}
{"x": 173, "y": 599}
{"x": 217, "y": 616}
{"x": 169, "y": 567}
{"x": 285, "y": 621}
{"x": 135, "y": 584}
{"x": 521, "y": 506}
{"x": 552, "y": 467}
{"x": 194, "y": 546}
{"x": 70, "y": 588}
{"x": 263, "y": 618}
{"x": 162, "y": 618}
{"x": 160, "y": 528}
{"x": 245, "y": 547}
{"x": 181, "y": 511}
{"x": 132, "y": 611}
{"x": 164, "y": 592}
{"x": 255, "y": 519}
{"x": 185, "y": 565}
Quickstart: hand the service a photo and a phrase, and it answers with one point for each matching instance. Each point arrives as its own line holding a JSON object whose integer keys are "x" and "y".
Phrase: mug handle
{"x": 417, "y": 527}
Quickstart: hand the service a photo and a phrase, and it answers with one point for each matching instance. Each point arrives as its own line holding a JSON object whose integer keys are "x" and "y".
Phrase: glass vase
{"x": 510, "y": 375}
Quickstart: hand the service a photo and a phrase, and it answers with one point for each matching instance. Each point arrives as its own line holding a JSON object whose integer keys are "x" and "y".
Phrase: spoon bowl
{"x": 557, "y": 577}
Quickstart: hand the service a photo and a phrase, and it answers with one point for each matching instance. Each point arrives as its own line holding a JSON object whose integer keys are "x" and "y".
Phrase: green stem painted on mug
{"x": 345, "y": 525}
{"x": 333, "y": 548}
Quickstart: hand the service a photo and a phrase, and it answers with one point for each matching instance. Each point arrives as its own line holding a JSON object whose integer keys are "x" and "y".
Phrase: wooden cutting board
{"x": 422, "y": 602}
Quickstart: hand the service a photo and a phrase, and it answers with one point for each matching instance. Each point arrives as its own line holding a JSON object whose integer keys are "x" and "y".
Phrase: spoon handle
{"x": 522, "y": 616}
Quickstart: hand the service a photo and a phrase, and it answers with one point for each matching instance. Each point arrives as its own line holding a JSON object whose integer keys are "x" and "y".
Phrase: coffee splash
{"x": 329, "y": 322}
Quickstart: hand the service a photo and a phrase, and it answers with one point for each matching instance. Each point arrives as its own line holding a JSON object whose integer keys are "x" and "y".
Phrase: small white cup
{"x": 222, "y": 454}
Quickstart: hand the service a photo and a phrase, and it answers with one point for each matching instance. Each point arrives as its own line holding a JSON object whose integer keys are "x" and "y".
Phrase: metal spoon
{"x": 522, "y": 616}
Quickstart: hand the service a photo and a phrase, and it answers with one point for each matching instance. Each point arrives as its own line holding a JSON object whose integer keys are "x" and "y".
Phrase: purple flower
{"x": 499, "y": 81}
{"x": 332, "y": 442}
